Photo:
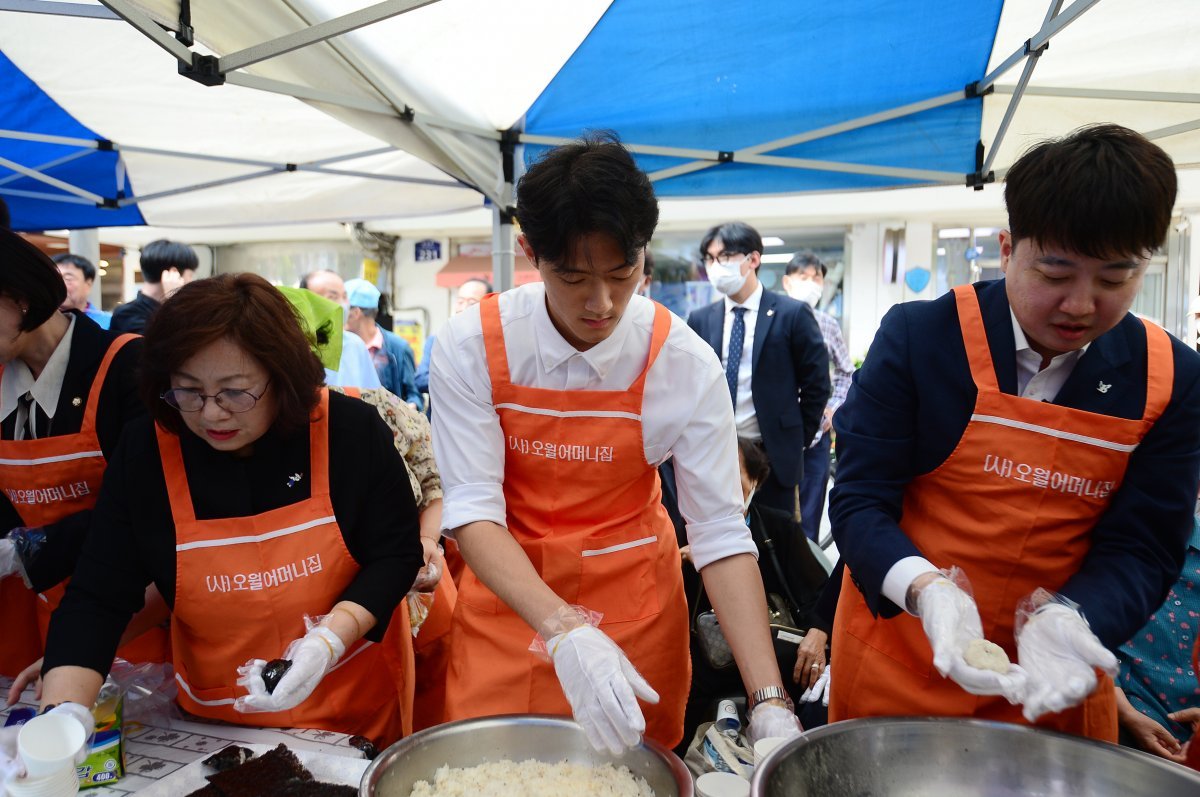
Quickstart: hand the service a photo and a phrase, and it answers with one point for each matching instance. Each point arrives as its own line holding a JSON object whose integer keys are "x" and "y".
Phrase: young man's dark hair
{"x": 162, "y": 255}
{"x": 591, "y": 186}
{"x": 5, "y": 217}
{"x": 81, "y": 263}
{"x": 802, "y": 261}
{"x": 1104, "y": 191}
{"x": 30, "y": 279}
{"x": 737, "y": 237}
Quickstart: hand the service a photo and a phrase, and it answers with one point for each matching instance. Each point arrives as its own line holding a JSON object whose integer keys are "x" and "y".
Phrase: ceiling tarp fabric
{"x": 401, "y": 118}
{"x": 719, "y": 76}
{"x": 1126, "y": 46}
{"x": 111, "y": 79}
{"x": 25, "y": 107}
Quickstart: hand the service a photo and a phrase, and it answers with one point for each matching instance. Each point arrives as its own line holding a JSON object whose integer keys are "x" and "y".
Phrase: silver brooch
{"x": 294, "y": 479}
{"x": 1103, "y": 388}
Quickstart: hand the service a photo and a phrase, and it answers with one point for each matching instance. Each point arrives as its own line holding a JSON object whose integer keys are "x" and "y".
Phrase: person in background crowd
{"x": 5, "y": 217}
{"x": 1158, "y": 700}
{"x": 772, "y": 352}
{"x": 391, "y": 354}
{"x": 804, "y": 281}
{"x": 1018, "y": 460}
{"x": 78, "y": 273}
{"x": 556, "y": 402}
{"x": 67, "y": 390}
{"x": 794, "y": 579}
{"x": 166, "y": 265}
{"x": 470, "y": 293}
{"x": 643, "y": 288}
{"x": 244, "y": 445}
{"x": 353, "y": 367}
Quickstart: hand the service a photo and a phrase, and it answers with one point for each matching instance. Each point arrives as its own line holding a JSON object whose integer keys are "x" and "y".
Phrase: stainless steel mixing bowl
{"x": 932, "y": 757}
{"x": 516, "y": 737}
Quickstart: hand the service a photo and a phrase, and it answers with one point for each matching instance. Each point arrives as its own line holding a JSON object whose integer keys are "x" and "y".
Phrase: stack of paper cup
{"x": 721, "y": 784}
{"x": 48, "y": 745}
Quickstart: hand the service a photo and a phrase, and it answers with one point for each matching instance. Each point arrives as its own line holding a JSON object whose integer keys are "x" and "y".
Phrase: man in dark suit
{"x": 774, "y": 357}
{"x": 1036, "y": 437}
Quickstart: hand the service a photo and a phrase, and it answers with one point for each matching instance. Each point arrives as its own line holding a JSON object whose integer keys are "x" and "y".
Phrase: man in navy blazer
{"x": 1085, "y": 213}
{"x": 780, "y": 383}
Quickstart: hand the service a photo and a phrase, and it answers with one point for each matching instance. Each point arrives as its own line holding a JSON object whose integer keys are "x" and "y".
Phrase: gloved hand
{"x": 429, "y": 575}
{"x": 818, "y": 691}
{"x": 8, "y": 557}
{"x": 10, "y": 763}
{"x": 312, "y": 656}
{"x": 768, "y": 720}
{"x": 1059, "y": 652}
{"x": 951, "y": 620}
{"x": 602, "y": 687}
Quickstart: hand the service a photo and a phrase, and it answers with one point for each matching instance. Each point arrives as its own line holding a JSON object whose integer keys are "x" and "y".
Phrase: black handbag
{"x": 785, "y": 636}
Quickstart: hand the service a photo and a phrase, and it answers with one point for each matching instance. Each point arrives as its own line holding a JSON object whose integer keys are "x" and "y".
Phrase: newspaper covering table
{"x": 153, "y": 753}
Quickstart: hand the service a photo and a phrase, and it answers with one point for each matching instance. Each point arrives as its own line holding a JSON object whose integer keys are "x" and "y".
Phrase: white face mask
{"x": 727, "y": 279}
{"x": 805, "y": 291}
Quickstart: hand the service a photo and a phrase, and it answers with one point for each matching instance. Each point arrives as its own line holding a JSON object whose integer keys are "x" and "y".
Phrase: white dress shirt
{"x": 18, "y": 381}
{"x": 743, "y": 414}
{"x": 355, "y": 368}
{"x": 1033, "y": 382}
{"x": 686, "y": 412}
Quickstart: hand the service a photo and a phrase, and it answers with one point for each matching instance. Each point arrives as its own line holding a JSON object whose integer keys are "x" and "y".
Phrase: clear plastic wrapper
{"x": 565, "y": 619}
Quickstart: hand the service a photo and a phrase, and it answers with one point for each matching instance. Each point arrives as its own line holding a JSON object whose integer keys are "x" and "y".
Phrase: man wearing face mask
{"x": 772, "y": 352}
{"x": 804, "y": 281}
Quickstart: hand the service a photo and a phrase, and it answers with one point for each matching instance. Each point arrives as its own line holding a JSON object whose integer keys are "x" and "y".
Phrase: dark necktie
{"x": 733, "y": 361}
{"x": 29, "y": 426}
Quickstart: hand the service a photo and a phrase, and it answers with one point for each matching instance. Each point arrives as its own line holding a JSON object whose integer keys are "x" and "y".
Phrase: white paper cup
{"x": 721, "y": 784}
{"x": 62, "y": 783}
{"x": 48, "y": 744}
{"x": 763, "y": 747}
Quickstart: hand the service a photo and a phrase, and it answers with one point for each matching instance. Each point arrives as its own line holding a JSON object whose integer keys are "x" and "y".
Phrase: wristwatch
{"x": 770, "y": 693}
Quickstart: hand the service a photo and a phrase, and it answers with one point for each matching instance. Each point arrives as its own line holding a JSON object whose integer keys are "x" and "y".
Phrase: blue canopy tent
{"x": 306, "y": 110}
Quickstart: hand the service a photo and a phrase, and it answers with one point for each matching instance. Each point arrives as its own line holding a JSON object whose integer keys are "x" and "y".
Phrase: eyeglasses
{"x": 723, "y": 258}
{"x": 186, "y": 399}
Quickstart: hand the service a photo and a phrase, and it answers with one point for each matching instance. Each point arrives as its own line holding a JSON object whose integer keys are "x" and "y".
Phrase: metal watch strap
{"x": 770, "y": 693}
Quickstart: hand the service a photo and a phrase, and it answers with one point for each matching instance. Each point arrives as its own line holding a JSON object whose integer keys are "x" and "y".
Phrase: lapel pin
{"x": 75, "y": 402}
{"x": 1103, "y": 388}
{"x": 770, "y": 312}
{"x": 294, "y": 479}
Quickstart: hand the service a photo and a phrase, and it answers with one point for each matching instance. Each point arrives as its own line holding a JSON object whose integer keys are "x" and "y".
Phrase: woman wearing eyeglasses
{"x": 67, "y": 388}
{"x": 275, "y": 518}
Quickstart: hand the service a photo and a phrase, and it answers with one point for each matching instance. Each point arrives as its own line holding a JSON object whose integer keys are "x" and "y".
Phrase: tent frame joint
{"x": 204, "y": 69}
{"x": 725, "y": 156}
{"x": 1036, "y": 53}
{"x": 109, "y": 203}
{"x": 971, "y": 90}
{"x": 290, "y": 167}
{"x": 408, "y": 114}
{"x": 977, "y": 180}
{"x": 104, "y": 145}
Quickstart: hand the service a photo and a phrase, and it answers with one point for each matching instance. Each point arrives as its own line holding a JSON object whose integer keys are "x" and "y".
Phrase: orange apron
{"x": 46, "y": 480}
{"x": 431, "y": 648}
{"x": 585, "y": 506}
{"x": 1014, "y": 506}
{"x": 242, "y": 588}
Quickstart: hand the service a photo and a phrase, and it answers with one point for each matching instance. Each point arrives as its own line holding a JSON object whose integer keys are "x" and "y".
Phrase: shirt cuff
{"x": 719, "y": 539}
{"x": 468, "y": 503}
{"x": 901, "y": 575}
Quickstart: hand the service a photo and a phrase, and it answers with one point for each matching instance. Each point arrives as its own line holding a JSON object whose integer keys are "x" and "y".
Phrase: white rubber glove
{"x": 82, "y": 715}
{"x": 951, "y": 620}
{"x": 8, "y": 557}
{"x": 1061, "y": 654}
{"x": 768, "y": 720}
{"x": 602, "y": 687}
{"x": 818, "y": 691}
{"x": 10, "y": 763}
{"x": 312, "y": 657}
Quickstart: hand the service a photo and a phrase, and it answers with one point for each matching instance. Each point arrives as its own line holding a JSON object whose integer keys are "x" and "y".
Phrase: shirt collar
{"x": 554, "y": 349}
{"x": 18, "y": 379}
{"x": 752, "y": 301}
{"x": 1022, "y": 343}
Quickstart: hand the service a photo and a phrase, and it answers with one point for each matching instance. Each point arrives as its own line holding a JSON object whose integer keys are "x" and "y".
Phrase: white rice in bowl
{"x": 533, "y": 779}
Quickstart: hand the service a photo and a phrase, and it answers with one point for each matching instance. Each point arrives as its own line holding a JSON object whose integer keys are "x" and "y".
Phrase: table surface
{"x": 153, "y": 753}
